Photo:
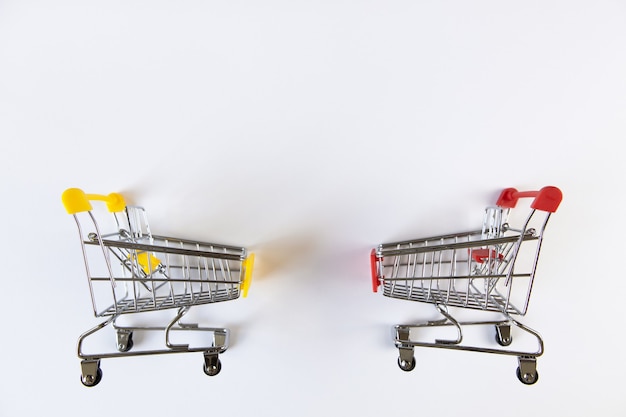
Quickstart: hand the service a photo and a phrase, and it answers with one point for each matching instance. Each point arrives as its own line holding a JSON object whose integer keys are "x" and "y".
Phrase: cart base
{"x": 527, "y": 368}
{"x": 91, "y": 373}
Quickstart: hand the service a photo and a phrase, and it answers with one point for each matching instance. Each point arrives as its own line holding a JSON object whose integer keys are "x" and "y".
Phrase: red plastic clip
{"x": 546, "y": 199}
{"x": 480, "y": 255}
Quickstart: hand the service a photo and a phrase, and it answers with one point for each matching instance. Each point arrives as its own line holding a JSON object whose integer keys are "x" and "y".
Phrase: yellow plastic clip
{"x": 148, "y": 262}
{"x": 76, "y": 201}
{"x": 247, "y": 265}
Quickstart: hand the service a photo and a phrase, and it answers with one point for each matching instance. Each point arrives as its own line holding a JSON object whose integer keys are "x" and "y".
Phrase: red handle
{"x": 373, "y": 264}
{"x": 546, "y": 199}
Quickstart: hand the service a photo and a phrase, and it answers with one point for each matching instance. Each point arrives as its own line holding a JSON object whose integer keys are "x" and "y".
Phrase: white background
{"x": 309, "y": 132}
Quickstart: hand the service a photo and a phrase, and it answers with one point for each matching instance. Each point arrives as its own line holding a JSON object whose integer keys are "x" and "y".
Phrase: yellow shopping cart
{"x": 130, "y": 270}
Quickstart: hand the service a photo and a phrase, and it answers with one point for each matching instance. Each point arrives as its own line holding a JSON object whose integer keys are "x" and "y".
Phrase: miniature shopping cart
{"x": 131, "y": 271}
{"x": 492, "y": 270}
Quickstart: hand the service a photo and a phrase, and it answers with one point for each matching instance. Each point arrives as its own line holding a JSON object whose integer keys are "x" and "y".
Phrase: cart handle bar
{"x": 76, "y": 201}
{"x": 546, "y": 199}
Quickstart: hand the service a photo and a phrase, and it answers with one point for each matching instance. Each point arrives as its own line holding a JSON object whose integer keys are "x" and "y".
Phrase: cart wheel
{"x": 406, "y": 365}
{"x": 504, "y": 341}
{"x": 127, "y": 345}
{"x": 503, "y": 334}
{"x": 527, "y": 379}
{"x": 213, "y": 369}
{"x": 91, "y": 380}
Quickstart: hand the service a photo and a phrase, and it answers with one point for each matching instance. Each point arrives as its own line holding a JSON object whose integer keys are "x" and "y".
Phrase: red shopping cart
{"x": 492, "y": 269}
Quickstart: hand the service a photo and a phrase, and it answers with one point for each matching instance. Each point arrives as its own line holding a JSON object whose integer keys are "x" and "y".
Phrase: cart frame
{"x": 473, "y": 270}
{"x": 135, "y": 272}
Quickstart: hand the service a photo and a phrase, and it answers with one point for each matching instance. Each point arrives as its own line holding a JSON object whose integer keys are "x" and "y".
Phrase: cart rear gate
{"x": 492, "y": 269}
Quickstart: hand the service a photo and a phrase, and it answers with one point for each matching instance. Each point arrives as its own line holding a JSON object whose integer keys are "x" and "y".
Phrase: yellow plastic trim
{"x": 148, "y": 262}
{"x": 247, "y": 265}
{"x": 76, "y": 201}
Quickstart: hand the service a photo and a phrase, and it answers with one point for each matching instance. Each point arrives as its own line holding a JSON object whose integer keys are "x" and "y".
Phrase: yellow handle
{"x": 247, "y": 274}
{"x": 76, "y": 201}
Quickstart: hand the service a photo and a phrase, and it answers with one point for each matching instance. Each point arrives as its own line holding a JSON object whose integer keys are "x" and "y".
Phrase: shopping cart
{"x": 492, "y": 270}
{"x": 131, "y": 271}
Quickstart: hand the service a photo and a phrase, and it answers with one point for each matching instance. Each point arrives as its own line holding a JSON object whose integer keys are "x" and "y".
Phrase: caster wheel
{"x": 127, "y": 346}
{"x": 406, "y": 365}
{"x": 504, "y": 342}
{"x": 214, "y": 369}
{"x": 503, "y": 334}
{"x": 527, "y": 379}
{"x": 90, "y": 380}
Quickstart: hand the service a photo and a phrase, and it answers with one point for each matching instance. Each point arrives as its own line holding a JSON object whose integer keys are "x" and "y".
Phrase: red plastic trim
{"x": 546, "y": 199}
{"x": 374, "y": 266}
{"x": 480, "y": 255}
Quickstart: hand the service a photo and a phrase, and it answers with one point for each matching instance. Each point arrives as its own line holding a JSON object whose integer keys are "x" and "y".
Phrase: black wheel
{"x": 527, "y": 379}
{"x": 92, "y": 381}
{"x": 406, "y": 365}
{"x": 503, "y": 342}
{"x": 213, "y": 370}
{"x": 129, "y": 345}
